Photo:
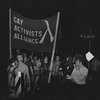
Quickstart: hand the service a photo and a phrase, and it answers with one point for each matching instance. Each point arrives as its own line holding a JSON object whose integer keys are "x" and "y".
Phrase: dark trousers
{"x": 72, "y": 89}
{"x": 54, "y": 82}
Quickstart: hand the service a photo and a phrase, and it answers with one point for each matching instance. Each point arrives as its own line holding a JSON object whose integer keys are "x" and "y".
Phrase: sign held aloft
{"x": 32, "y": 34}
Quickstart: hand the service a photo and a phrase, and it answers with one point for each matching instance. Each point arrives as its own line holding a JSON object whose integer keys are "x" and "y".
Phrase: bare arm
{"x": 70, "y": 77}
{"x": 9, "y": 78}
{"x": 28, "y": 80}
{"x": 32, "y": 72}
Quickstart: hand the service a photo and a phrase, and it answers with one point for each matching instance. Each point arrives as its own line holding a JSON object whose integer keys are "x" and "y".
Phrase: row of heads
{"x": 23, "y": 56}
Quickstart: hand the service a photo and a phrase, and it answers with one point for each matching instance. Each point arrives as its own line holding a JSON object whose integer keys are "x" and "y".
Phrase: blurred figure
{"x": 55, "y": 72}
{"x": 11, "y": 77}
{"x": 77, "y": 79}
{"x": 44, "y": 65}
{"x": 55, "y": 67}
{"x": 23, "y": 69}
{"x": 79, "y": 73}
{"x": 35, "y": 58}
{"x": 95, "y": 71}
{"x": 37, "y": 71}
{"x": 29, "y": 63}
{"x": 68, "y": 66}
{"x": 66, "y": 69}
{"x": 44, "y": 72}
{"x": 24, "y": 57}
{"x": 17, "y": 52}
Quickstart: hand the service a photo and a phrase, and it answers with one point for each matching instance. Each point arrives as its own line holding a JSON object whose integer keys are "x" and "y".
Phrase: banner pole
{"x": 54, "y": 46}
{"x": 10, "y": 51}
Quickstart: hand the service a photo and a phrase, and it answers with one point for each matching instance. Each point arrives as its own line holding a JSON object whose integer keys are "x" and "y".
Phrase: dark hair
{"x": 12, "y": 60}
{"x": 20, "y": 54}
{"x": 79, "y": 57}
{"x": 23, "y": 55}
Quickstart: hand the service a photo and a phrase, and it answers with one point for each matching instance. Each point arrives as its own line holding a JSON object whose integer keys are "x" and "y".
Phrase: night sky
{"x": 76, "y": 17}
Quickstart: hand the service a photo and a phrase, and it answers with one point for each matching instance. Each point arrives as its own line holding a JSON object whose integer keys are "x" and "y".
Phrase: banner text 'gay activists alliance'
{"x": 32, "y": 34}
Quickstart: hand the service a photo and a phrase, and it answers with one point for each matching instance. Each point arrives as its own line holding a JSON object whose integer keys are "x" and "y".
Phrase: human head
{"x": 24, "y": 57}
{"x": 38, "y": 63}
{"x": 57, "y": 58}
{"x": 13, "y": 62}
{"x": 80, "y": 57}
{"x": 45, "y": 59}
{"x": 78, "y": 62}
{"x": 18, "y": 51}
{"x": 20, "y": 57}
{"x": 35, "y": 57}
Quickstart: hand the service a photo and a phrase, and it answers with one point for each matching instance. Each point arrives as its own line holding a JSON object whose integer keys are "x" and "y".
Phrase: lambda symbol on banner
{"x": 47, "y": 30}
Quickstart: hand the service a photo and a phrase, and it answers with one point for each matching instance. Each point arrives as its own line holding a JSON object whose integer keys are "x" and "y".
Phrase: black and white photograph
{"x": 50, "y": 50}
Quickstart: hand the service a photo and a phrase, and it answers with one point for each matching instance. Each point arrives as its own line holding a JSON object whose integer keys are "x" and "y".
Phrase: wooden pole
{"x": 10, "y": 50}
{"x": 89, "y": 47}
{"x": 54, "y": 46}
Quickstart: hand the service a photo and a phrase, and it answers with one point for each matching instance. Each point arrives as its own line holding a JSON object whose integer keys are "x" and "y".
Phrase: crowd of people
{"x": 72, "y": 69}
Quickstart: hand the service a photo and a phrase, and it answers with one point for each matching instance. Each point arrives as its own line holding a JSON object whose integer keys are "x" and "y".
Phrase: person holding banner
{"x": 55, "y": 71}
{"x": 33, "y": 35}
{"x": 23, "y": 69}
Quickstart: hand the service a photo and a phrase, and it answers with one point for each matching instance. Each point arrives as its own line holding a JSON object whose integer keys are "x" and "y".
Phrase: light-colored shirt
{"x": 80, "y": 75}
{"x": 24, "y": 69}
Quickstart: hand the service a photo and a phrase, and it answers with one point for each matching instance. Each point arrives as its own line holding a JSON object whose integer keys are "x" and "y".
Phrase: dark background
{"x": 77, "y": 17}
